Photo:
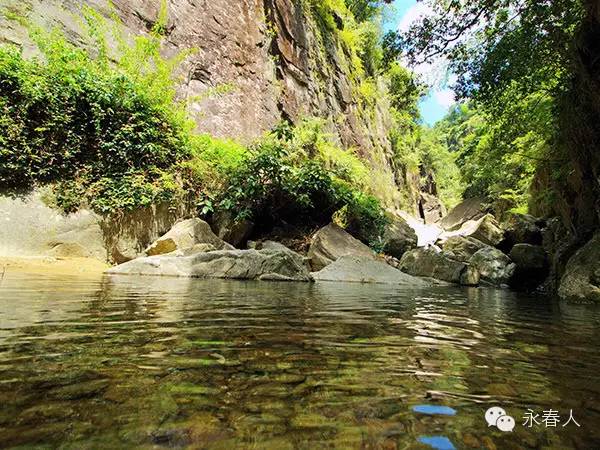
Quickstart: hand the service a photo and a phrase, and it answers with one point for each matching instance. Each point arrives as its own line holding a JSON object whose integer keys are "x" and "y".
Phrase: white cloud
{"x": 413, "y": 14}
{"x": 445, "y": 97}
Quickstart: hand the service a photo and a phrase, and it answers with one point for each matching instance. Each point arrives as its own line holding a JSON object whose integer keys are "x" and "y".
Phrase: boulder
{"x": 360, "y": 269}
{"x": 469, "y": 209}
{"x": 581, "y": 280}
{"x": 232, "y": 230}
{"x": 493, "y": 266}
{"x": 532, "y": 266}
{"x": 486, "y": 229}
{"x": 521, "y": 229}
{"x": 185, "y": 235}
{"x": 462, "y": 248}
{"x": 332, "y": 242}
{"x": 234, "y": 264}
{"x": 431, "y": 208}
{"x": 399, "y": 237}
{"x": 429, "y": 263}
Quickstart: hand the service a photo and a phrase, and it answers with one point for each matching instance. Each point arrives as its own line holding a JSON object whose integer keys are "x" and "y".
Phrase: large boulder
{"x": 521, "y": 229}
{"x": 399, "y": 237}
{"x": 431, "y": 208}
{"x": 234, "y": 264}
{"x": 462, "y": 248}
{"x": 532, "y": 265}
{"x": 185, "y": 235}
{"x": 332, "y": 242}
{"x": 486, "y": 229}
{"x": 581, "y": 280}
{"x": 358, "y": 269}
{"x": 429, "y": 263}
{"x": 231, "y": 229}
{"x": 493, "y": 266}
{"x": 469, "y": 209}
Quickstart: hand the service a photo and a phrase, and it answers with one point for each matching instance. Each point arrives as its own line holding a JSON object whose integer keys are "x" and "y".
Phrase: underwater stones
{"x": 358, "y": 269}
{"x": 185, "y": 235}
{"x": 234, "y": 264}
{"x": 332, "y": 242}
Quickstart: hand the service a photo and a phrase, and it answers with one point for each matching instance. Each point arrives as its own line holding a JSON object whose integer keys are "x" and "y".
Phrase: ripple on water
{"x": 126, "y": 362}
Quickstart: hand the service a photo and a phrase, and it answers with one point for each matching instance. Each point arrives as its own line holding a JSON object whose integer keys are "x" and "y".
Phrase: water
{"x": 174, "y": 363}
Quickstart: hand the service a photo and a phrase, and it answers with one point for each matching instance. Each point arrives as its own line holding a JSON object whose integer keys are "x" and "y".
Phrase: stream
{"x": 133, "y": 362}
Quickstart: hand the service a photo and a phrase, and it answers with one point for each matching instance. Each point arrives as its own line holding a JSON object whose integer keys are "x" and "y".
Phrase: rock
{"x": 278, "y": 246}
{"x": 32, "y": 228}
{"x": 332, "y": 242}
{"x": 227, "y": 228}
{"x": 581, "y": 280}
{"x": 462, "y": 248}
{"x": 185, "y": 235}
{"x": 399, "y": 237}
{"x": 235, "y": 264}
{"x": 423, "y": 262}
{"x": 532, "y": 266}
{"x": 360, "y": 269}
{"x": 493, "y": 266}
{"x": 431, "y": 208}
{"x": 521, "y": 229}
{"x": 469, "y": 209}
{"x": 485, "y": 229}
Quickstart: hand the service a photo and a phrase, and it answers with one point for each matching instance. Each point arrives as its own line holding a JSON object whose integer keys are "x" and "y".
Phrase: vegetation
{"x": 515, "y": 62}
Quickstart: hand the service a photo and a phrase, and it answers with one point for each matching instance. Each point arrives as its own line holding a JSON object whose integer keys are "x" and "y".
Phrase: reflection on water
{"x": 143, "y": 362}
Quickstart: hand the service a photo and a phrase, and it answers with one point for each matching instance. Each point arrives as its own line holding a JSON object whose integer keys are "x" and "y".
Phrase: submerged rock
{"x": 432, "y": 264}
{"x": 331, "y": 243}
{"x": 399, "y": 237}
{"x": 234, "y": 264}
{"x": 358, "y": 269}
{"x": 186, "y": 235}
{"x": 581, "y": 280}
{"x": 493, "y": 266}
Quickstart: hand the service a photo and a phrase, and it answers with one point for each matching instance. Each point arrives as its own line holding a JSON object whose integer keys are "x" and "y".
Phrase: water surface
{"x": 129, "y": 362}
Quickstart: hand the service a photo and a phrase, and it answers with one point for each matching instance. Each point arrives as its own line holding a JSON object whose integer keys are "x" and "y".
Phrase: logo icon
{"x": 497, "y": 417}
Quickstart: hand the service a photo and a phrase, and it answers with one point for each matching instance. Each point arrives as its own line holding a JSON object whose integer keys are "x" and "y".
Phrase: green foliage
{"x": 69, "y": 115}
{"x": 298, "y": 176}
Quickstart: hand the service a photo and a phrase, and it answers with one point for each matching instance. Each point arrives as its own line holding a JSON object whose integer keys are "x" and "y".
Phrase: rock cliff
{"x": 255, "y": 62}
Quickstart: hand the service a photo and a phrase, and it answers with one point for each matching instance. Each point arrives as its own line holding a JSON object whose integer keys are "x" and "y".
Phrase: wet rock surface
{"x": 233, "y": 264}
{"x": 493, "y": 266}
{"x": 356, "y": 269}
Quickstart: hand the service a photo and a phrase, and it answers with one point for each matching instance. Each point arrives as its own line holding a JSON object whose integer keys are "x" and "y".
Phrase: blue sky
{"x": 436, "y": 104}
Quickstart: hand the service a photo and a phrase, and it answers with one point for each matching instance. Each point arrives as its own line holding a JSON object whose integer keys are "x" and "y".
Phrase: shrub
{"x": 72, "y": 117}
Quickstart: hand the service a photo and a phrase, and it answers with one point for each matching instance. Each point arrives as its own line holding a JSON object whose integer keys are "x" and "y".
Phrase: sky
{"x": 440, "y": 99}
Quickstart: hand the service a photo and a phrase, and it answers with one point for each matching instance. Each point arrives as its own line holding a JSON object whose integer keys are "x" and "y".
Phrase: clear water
{"x": 174, "y": 363}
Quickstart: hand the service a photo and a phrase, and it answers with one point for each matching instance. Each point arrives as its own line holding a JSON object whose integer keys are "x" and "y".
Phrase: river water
{"x": 129, "y": 362}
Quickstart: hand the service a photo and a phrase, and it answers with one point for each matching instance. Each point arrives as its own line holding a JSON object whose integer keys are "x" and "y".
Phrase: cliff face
{"x": 268, "y": 59}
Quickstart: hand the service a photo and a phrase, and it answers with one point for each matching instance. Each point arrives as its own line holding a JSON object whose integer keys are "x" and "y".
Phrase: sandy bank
{"x": 87, "y": 267}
